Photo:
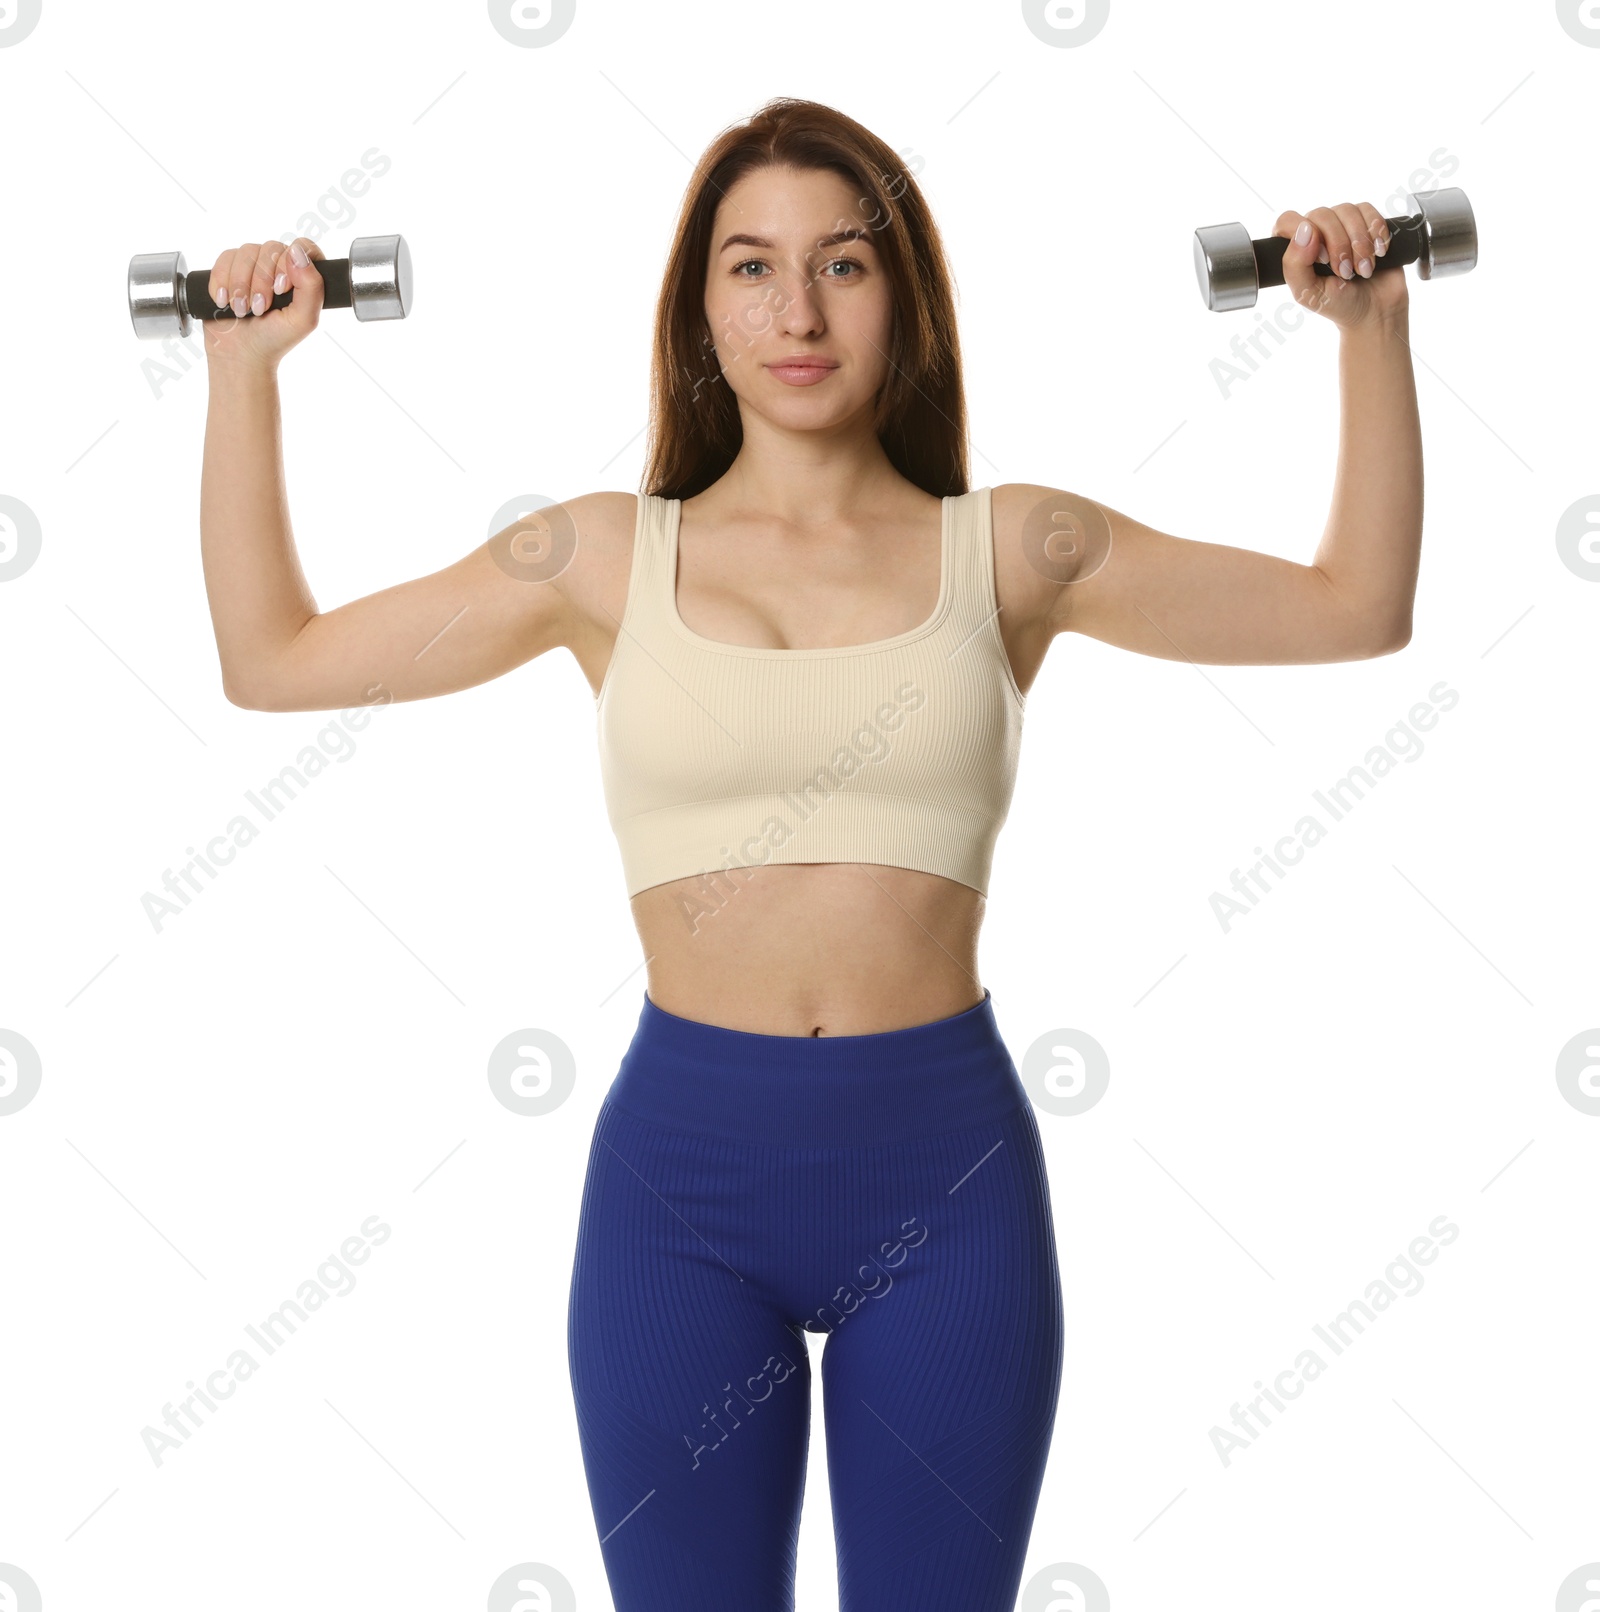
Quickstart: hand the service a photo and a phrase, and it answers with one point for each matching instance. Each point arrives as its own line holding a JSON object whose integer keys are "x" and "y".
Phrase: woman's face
{"x": 781, "y": 284}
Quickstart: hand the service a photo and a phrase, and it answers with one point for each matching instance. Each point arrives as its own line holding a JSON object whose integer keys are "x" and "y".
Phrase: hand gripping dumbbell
{"x": 1440, "y": 237}
{"x": 375, "y": 280}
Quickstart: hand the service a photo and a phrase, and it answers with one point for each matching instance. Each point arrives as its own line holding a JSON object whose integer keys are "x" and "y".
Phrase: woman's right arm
{"x": 455, "y": 628}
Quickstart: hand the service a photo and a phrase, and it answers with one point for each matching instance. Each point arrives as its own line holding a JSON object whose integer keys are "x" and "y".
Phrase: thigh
{"x": 692, "y": 1394}
{"x": 940, "y": 1391}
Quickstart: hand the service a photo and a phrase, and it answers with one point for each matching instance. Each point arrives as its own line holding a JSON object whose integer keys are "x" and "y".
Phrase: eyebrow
{"x": 838, "y": 238}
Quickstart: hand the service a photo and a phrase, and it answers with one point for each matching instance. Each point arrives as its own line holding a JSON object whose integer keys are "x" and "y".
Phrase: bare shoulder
{"x": 596, "y": 531}
{"x": 595, "y": 582}
{"x": 604, "y": 522}
{"x": 1032, "y": 567}
{"x": 603, "y": 519}
{"x": 1044, "y": 539}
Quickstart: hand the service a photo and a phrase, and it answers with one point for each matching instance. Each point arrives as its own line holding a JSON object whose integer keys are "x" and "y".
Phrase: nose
{"x": 800, "y": 308}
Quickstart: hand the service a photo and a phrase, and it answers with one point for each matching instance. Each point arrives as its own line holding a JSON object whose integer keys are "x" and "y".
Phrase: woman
{"x": 810, "y": 644}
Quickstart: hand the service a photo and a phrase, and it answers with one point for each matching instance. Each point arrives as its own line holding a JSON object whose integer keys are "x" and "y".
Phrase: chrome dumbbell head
{"x": 1450, "y": 232}
{"x": 1225, "y": 266}
{"x": 380, "y": 277}
{"x": 156, "y": 301}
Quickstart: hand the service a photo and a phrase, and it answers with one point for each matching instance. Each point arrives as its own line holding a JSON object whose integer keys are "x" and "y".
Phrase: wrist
{"x": 1382, "y": 325}
{"x": 242, "y": 374}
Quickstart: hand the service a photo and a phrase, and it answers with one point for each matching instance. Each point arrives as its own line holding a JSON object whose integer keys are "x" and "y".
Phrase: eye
{"x": 737, "y": 271}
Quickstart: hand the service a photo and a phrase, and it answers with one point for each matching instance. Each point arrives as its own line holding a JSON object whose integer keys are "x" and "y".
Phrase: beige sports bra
{"x": 901, "y": 752}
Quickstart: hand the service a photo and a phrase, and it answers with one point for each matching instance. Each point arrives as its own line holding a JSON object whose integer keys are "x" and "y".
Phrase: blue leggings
{"x": 887, "y": 1190}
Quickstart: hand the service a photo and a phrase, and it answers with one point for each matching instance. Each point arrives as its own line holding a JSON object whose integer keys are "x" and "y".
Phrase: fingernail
{"x": 297, "y": 252}
{"x": 238, "y": 306}
{"x": 257, "y": 303}
{"x": 1303, "y": 234}
{"x": 1345, "y": 271}
{"x": 1381, "y": 245}
{"x": 1364, "y": 268}
{"x": 281, "y": 282}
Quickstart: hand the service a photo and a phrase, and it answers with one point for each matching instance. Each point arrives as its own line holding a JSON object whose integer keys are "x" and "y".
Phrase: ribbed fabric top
{"x": 902, "y": 751}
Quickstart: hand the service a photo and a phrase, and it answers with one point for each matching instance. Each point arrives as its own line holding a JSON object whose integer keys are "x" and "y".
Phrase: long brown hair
{"x": 921, "y": 415}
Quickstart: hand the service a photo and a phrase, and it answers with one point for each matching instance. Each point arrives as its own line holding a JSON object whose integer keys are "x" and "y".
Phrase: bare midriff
{"x": 812, "y": 948}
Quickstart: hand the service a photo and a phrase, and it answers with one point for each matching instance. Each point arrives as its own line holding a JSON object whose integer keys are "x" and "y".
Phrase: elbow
{"x": 1389, "y": 639}
{"x": 259, "y": 683}
{"x": 247, "y": 696}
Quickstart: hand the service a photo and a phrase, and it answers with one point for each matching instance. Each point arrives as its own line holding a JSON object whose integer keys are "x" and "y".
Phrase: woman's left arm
{"x": 1179, "y": 599}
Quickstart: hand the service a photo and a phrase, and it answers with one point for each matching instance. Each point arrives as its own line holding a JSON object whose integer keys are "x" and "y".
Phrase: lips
{"x": 802, "y": 371}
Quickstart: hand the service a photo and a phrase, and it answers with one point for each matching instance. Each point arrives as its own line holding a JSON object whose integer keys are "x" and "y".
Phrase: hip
{"x": 790, "y": 1165}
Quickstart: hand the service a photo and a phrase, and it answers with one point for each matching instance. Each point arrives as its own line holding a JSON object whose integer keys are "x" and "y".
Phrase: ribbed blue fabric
{"x": 888, "y": 1190}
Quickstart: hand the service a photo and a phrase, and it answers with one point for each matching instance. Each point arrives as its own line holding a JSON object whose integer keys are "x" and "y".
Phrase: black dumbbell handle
{"x": 1405, "y": 246}
{"x": 335, "y": 274}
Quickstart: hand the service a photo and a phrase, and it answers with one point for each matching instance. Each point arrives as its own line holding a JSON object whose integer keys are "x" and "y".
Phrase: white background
{"x": 1291, "y": 1102}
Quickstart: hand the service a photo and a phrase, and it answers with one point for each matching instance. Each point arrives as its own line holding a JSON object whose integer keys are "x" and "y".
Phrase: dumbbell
{"x": 1440, "y": 237}
{"x": 375, "y": 281}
